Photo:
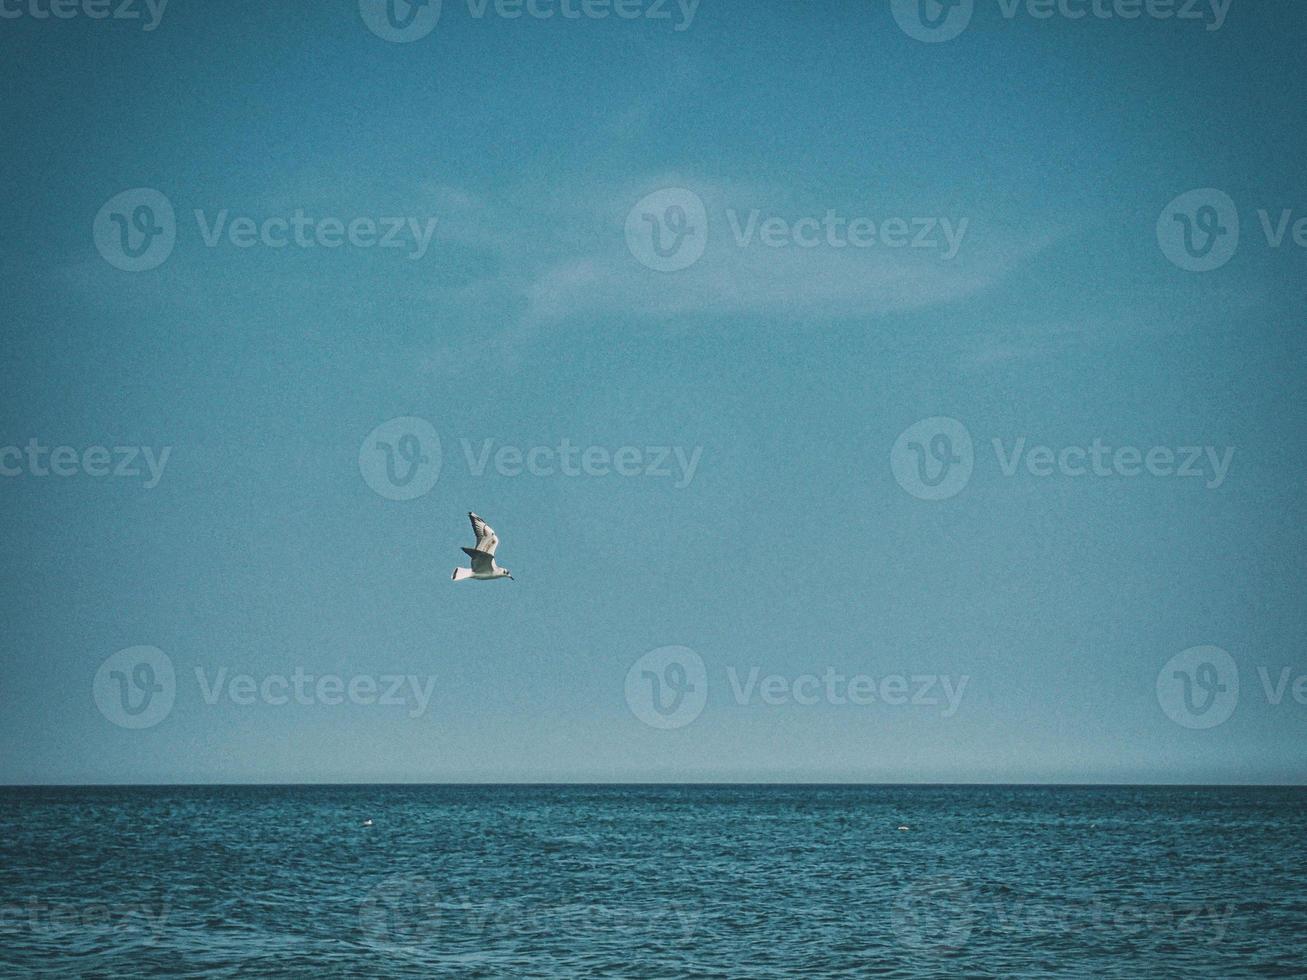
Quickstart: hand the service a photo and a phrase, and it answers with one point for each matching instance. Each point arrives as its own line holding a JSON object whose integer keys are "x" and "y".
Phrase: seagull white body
{"x": 483, "y": 555}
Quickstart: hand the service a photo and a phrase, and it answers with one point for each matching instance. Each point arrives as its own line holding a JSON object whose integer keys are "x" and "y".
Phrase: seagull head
{"x": 507, "y": 574}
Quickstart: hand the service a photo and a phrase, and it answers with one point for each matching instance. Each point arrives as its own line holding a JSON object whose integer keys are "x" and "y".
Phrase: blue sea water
{"x": 727, "y": 881}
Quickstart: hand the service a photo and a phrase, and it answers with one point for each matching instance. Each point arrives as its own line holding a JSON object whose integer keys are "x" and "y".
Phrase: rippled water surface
{"x": 653, "y": 881}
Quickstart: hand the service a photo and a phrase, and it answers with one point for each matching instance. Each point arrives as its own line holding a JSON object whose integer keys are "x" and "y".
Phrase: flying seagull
{"x": 483, "y": 555}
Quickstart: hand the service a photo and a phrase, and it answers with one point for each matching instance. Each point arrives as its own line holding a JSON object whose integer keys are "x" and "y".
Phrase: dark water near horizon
{"x": 738, "y": 881}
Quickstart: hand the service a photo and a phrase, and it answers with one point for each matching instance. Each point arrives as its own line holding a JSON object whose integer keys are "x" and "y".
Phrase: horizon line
{"x": 662, "y": 783}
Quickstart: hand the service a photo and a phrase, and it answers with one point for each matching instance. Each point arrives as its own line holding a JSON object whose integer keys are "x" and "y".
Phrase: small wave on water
{"x": 652, "y": 881}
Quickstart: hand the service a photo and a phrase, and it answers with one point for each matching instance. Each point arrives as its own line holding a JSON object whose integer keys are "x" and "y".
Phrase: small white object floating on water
{"x": 367, "y": 822}
{"x": 902, "y": 826}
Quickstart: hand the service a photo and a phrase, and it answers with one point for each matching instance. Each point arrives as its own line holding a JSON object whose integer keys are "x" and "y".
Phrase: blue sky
{"x": 529, "y": 319}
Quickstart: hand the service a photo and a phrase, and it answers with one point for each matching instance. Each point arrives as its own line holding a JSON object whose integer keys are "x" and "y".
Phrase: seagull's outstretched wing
{"x": 487, "y": 540}
{"x": 482, "y": 564}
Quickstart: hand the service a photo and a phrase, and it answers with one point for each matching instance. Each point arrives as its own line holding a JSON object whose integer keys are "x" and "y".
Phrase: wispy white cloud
{"x": 1116, "y": 321}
